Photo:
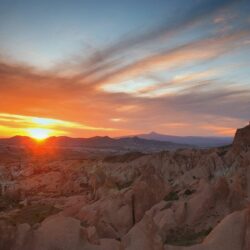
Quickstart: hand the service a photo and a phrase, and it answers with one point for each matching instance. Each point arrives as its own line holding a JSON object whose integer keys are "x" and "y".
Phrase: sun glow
{"x": 39, "y": 133}
{"x": 41, "y": 128}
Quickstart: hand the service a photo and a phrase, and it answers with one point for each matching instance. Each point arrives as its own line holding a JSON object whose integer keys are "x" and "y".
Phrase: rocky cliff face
{"x": 242, "y": 138}
{"x": 174, "y": 200}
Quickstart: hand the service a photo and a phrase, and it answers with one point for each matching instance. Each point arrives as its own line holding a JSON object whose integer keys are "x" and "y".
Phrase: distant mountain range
{"x": 152, "y": 142}
{"x": 98, "y": 143}
{"x": 198, "y": 141}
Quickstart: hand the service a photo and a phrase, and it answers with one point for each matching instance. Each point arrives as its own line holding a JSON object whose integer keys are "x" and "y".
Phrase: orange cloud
{"x": 83, "y": 104}
{"x": 13, "y": 124}
{"x": 223, "y": 131}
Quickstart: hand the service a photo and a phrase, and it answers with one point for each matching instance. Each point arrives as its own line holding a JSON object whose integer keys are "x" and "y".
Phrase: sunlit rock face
{"x": 173, "y": 200}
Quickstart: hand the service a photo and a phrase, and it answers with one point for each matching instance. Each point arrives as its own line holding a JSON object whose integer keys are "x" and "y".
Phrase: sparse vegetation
{"x": 186, "y": 237}
{"x": 7, "y": 203}
{"x": 222, "y": 152}
{"x": 172, "y": 196}
{"x": 124, "y": 158}
{"x": 33, "y": 214}
{"x": 189, "y": 192}
{"x": 124, "y": 185}
{"x": 167, "y": 206}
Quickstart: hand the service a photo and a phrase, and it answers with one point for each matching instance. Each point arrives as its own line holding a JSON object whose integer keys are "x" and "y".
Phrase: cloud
{"x": 170, "y": 90}
{"x": 49, "y": 95}
{"x": 224, "y": 131}
{"x": 192, "y": 52}
{"x": 11, "y": 123}
{"x": 105, "y": 62}
{"x": 201, "y": 10}
{"x": 88, "y": 107}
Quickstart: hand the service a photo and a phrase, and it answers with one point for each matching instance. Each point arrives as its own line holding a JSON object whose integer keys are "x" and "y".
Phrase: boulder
{"x": 144, "y": 235}
{"x": 232, "y": 233}
{"x": 57, "y": 232}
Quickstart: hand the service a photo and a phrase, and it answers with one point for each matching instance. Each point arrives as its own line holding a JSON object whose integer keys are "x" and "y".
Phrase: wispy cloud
{"x": 115, "y": 92}
{"x": 13, "y": 123}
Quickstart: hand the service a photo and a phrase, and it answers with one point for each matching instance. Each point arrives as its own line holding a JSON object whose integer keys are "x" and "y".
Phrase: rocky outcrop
{"x": 232, "y": 233}
{"x": 184, "y": 199}
{"x": 143, "y": 235}
{"x": 242, "y": 138}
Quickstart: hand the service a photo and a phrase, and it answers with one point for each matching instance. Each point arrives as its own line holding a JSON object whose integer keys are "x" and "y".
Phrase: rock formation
{"x": 187, "y": 199}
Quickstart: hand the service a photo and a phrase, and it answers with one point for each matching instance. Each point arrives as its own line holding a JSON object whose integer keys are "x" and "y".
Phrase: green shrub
{"x": 186, "y": 237}
{"x": 189, "y": 192}
{"x": 7, "y": 203}
{"x": 33, "y": 214}
{"x": 124, "y": 185}
{"x": 172, "y": 196}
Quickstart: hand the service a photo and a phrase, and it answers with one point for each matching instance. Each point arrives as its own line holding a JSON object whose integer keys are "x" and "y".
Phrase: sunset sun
{"x": 39, "y": 133}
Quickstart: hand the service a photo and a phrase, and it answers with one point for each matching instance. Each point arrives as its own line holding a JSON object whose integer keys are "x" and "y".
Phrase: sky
{"x": 84, "y": 68}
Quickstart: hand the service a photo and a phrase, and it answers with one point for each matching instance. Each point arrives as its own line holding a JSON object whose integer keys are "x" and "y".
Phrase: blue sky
{"x": 164, "y": 65}
{"x": 49, "y": 30}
